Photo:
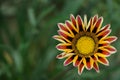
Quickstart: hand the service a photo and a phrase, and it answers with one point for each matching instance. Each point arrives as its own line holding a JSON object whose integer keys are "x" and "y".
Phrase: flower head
{"x": 85, "y": 43}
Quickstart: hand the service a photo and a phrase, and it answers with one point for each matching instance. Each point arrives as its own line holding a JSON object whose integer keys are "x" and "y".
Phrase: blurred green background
{"x": 27, "y": 49}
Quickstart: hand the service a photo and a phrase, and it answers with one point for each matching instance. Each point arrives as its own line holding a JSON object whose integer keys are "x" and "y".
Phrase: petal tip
{"x": 68, "y": 60}
{"x": 107, "y": 64}
{"x": 80, "y": 69}
{"x": 71, "y": 15}
{"x": 59, "y": 46}
{"x": 65, "y": 64}
{"x": 59, "y": 56}
{"x": 79, "y": 73}
{"x": 89, "y": 68}
{"x": 54, "y": 37}
{"x": 115, "y": 38}
{"x": 108, "y": 26}
{"x": 98, "y": 71}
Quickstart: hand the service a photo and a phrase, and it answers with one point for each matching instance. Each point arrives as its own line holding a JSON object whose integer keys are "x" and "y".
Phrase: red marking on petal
{"x": 88, "y": 63}
{"x": 67, "y": 37}
{"x": 80, "y": 68}
{"x": 61, "y": 26}
{"x": 103, "y": 60}
{"x": 77, "y": 63}
{"x": 68, "y": 60}
{"x": 105, "y": 27}
{"x": 73, "y": 19}
{"x": 69, "y": 25}
{"x": 95, "y": 18}
{"x": 79, "y": 20}
{"x": 106, "y": 44}
{"x": 93, "y": 57}
{"x": 59, "y": 38}
{"x": 61, "y": 46}
{"x": 106, "y": 53}
{"x": 104, "y": 33}
{"x": 63, "y": 55}
{"x": 90, "y": 25}
{"x": 62, "y": 34}
{"x": 111, "y": 49}
{"x": 96, "y": 67}
{"x": 99, "y": 22}
{"x": 111, "y": 39}
{"x": 91, "y": 22}
{"x": 59, "y": 56}
{"x": 89, "y": 66}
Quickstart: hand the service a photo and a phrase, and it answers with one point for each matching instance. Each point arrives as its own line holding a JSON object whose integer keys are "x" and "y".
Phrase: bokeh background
{"x": 27, "y": 49}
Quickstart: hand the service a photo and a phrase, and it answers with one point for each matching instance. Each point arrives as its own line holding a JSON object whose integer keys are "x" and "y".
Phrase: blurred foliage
{"x": 27, "y": 50}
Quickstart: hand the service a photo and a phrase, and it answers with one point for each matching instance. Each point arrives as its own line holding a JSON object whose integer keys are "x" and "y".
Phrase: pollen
{"x": 85, "y": 45}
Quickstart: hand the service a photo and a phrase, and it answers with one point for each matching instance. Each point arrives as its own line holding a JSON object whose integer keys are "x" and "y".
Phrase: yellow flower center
{"x": 85, "y": 45}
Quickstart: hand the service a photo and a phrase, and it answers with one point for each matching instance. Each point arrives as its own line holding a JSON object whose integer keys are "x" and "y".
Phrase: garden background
{"x": 27, "y": 49}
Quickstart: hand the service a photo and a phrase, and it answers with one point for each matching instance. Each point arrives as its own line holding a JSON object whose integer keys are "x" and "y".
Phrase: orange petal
{"x": 84, "y": 61}
{"x": 95, "y": 18}
{"x": 103, "y": 43}
{"x": 106, "y": 27}
{"x": 69, "y": 60}
{"x": 74, "y": 60}
{"x": 103, "y": 53}
{"x": 111, "y": 49}
{"x": 98, "y": 25}
{"x": 59, "y": 38}
{"x": 94, "y": 57}
{"x": 89, "y": 63}
{"x": 62, "y": 27}
{"x": 64, "y": 47}
{"x": 103, "y": 60}
{"x": 96, "y": 67}
{"x": 63, "y": 55}
{"x": 89, "y": 25}
{"x": 80, "y": 68}
{"x": 65, "y": 35}
{"x": 80, "y": 23}
{"x": 77, "y": 62}
{"x": 111, "y": 39}
{"x": 103, "y": 34}
{"x": 73, "y": 20}
{"x": 71, "y": 27}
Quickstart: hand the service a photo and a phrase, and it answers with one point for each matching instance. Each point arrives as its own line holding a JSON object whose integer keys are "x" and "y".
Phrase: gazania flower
{"x": 85, "y": 44}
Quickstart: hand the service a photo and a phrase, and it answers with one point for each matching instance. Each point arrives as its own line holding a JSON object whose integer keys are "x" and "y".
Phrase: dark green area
{"x": 27, "y": 49}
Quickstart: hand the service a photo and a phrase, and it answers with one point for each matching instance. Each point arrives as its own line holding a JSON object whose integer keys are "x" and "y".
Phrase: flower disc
{"x": 85, "y": 45}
